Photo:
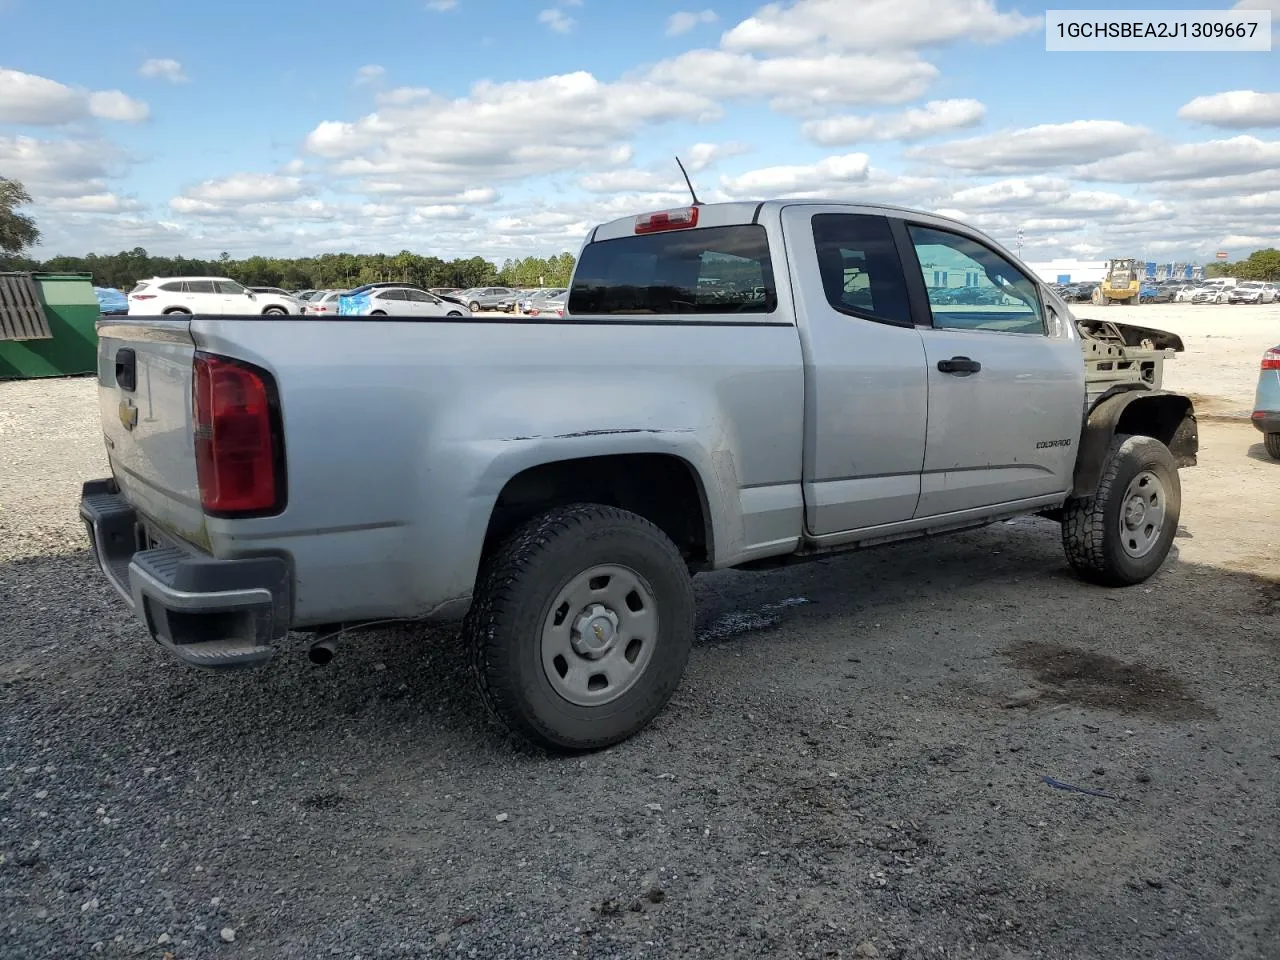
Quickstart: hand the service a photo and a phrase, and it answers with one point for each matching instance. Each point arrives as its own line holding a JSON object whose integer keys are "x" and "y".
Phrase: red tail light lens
{"x": 239, "y": 454}
{"x": 144, "y": 296}
{"x": 1271, "y": 359}
{"x": 681, "y": 219}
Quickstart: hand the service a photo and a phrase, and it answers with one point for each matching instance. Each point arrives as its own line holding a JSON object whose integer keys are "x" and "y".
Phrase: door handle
{"x": 126, "y": 369}
{"x": 959, "y": 365}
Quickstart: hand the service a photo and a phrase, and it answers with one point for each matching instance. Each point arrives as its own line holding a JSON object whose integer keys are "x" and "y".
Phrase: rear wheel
{"x": 1122, "y": 534}
{"x": 581, "y": 626}
{"x": 177, "y": 310}
{"x": 1272, "y": 442}
{"x": 377, "y": 313}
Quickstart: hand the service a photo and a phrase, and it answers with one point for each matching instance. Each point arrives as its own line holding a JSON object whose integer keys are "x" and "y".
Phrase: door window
{"x": 861, "y": 271}
{"x": 391, "y": 295}
{"x": 995, "y": 295}
{"x": 230, "y": 287}
{"x": 199, "y": 286}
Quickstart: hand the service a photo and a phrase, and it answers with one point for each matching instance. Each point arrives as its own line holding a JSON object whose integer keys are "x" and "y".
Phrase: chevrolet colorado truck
{"x": 733, "y": 385}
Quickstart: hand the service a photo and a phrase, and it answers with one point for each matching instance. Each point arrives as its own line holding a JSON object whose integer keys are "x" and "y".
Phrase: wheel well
{"x": 1160, "y": 416}
{"x": 661, "y": 488}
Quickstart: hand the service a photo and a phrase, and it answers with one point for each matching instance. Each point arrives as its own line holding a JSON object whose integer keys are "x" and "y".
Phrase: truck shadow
{"x": 1258, "y": 452}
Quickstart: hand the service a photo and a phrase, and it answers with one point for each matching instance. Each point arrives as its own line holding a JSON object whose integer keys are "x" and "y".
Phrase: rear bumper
{"x": 1268, "y": 421}
{"x": 218, "y": 614}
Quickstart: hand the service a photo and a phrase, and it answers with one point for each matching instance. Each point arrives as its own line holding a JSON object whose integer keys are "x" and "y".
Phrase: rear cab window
{"x": 861, "y": 272}
{"x": 705, "y": 270}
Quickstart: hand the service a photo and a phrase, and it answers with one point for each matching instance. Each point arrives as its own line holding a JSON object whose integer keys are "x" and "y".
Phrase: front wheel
{"x": 454, "y": 313}
{"x": 1122, "y": 534}
{"x": 581, "y": 626}
{"x": 274, "y": 311}
{"x": 1272, "y": 443}
{"x": 473, "y": 306}
{"x": 377, "y": 313}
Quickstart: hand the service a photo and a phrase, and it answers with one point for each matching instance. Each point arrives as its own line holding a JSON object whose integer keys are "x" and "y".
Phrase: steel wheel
{"x": 1142, "y": 514}
{"x": 599, "y": 635}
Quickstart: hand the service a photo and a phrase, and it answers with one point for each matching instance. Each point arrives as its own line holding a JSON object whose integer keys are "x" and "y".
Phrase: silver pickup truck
{"x": 734, "y": 385}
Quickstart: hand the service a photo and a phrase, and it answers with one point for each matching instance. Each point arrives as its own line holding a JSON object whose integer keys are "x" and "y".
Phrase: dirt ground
{"x": 941, "y": 749}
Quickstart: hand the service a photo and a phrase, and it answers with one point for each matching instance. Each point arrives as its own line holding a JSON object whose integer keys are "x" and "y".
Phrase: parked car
{"x": 398, "y": 302}
{"x": 322, "y": 303}
{"x": 207, "y": 295}
{"x": 274, "y": 291}
{"x": 436, "y": 470}
{"x": 1266, "y": 402}
{"x": 485, "y": 298}
{"x": 1252, "y": 291}
{"x": 547, "y": 293}
{"x": 1209, "y": 293}
{"x": 556, "y": 306}
{"x": 111, "y": 302}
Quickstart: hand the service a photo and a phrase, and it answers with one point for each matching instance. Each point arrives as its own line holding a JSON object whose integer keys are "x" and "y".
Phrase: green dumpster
{"x": 69, "y": 343}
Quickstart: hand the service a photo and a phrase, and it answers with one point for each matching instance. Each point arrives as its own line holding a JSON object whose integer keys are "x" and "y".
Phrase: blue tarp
{"x": 353, "y": 304}
{"x": 111, "y": 301}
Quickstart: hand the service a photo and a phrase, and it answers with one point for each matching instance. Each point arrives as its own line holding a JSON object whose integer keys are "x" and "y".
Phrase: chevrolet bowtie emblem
{"x": 128, "y": 414}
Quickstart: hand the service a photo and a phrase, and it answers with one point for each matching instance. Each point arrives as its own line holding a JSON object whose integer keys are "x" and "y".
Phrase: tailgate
{"x": 144, "y": 395}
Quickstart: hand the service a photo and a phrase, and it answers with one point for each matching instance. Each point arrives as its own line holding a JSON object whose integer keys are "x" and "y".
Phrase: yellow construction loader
{"x": 1120, "y": 283}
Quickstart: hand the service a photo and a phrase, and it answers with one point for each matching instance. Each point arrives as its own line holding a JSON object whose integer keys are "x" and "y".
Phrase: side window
{"x": 971, "y": 287}
{"x": 861, "y": 271}
{"x": 228, "y": 286}
{"x": 391, "y": 295}
{"x": 199, "y": 286}
{"x": 173, "y": 286}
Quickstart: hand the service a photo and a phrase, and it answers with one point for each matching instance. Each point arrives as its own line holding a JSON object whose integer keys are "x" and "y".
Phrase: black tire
{"x": 275, "y": 311}
{"x": 473, "y": 307}
{"x": 1272, "y": 443}
{"x": 513, "y": 601}
{"x": 1091, "y": 532}
{"x": 377, "y": 313}
{"x": 455, "y": 313}
{"x": 177, "y": 310}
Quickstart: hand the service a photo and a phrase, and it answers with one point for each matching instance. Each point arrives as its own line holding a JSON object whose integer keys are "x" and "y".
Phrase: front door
{"x": 865, "y": 391}
{"x": 1006, "y": 379}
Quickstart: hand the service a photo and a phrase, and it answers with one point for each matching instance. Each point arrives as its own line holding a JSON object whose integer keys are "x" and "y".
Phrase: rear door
{"x": 865, "y": 387}
{"x": 144, "y": 397}
{"x": 1006, "y": 377}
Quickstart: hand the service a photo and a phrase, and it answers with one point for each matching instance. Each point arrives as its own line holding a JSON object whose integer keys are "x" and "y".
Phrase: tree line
{"x": 1259, "y": 265}
{"x": 18, "y": 233}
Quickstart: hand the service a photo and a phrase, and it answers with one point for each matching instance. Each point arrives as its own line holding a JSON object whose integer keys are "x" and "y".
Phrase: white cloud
{"x": 163, "y": 69}
{"x": 936, "y": 116}
{"x": 556, "y": 19}
{"x": 702, "y": 155}
{"x": 92, "y": 203}
{"x": 26, "y": 98}
{"x": 1234, "y": 109}
{"x": 60, "y": 168}
{"x": 440, "y": 6}
{"x": 500, "y": 131}
{"x": 805, "y": 80}
{"x": 370, "y": 73}
{"x": 114, "y": 105}
{"x": 231, "y": 193}
{"x": 875, "y": 25}
{"x": 1038, "y": 148}
{"x": 1188, "y": 161}
{"x": 684, "y": 21}
{"x": 794, "y": 180}
{"x": 29, "y": 99}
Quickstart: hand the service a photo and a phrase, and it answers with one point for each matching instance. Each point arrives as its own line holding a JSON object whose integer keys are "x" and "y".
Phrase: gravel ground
{"x": 854, "y": 766}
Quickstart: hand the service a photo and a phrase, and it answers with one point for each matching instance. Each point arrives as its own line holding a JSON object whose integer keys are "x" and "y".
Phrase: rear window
{"x": 173, "y": 286}
{"x": 706, "y": 270}
{"x": 139, "y": 286}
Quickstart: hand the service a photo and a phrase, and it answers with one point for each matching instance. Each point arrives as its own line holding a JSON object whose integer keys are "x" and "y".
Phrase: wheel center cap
{"x": 595, "y": 631}
{"x": 1135, "y": 513}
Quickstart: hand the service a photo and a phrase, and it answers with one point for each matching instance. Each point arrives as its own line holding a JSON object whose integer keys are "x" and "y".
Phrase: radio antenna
{"x": 688, "y": 183}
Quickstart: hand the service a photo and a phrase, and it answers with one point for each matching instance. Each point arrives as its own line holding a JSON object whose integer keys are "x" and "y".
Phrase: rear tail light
{"x": 142, "y": 296}
{"x": 680, "y": 219}
{"x": 239, "y": 448}
{"x": 1271, "y": 359}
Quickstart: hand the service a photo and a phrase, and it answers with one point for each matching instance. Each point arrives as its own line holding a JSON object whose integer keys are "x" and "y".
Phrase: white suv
{"x": 207, "y": 295}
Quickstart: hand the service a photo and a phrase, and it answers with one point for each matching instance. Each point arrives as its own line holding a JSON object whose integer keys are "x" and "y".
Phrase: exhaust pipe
{"x": 322, "y": 652}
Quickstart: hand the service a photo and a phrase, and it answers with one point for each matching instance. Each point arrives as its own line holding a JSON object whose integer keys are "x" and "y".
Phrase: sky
{"x": 504, "y": 128}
